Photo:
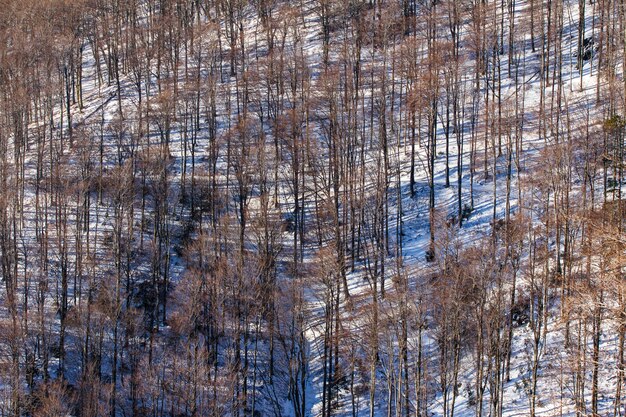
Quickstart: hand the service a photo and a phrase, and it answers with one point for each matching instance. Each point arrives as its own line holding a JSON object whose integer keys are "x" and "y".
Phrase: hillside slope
{"x": 312, "y": 208}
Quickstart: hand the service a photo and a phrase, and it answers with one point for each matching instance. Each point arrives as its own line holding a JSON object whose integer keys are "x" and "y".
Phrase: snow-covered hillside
{"x": 312, "y": 208}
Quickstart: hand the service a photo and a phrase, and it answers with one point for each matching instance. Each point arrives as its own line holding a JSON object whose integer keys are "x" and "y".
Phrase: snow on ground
{"x": 101, "y": 106}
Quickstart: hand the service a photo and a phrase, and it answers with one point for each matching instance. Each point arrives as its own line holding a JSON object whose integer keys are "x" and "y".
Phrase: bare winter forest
{"x": 308, "y": 208}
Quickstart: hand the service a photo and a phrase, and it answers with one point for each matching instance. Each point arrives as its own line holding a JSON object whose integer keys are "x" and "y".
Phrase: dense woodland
{"x": 312, "y": 208}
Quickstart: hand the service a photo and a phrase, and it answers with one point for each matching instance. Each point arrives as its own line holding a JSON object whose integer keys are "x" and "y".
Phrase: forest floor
{"x": 101, "y": 104}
